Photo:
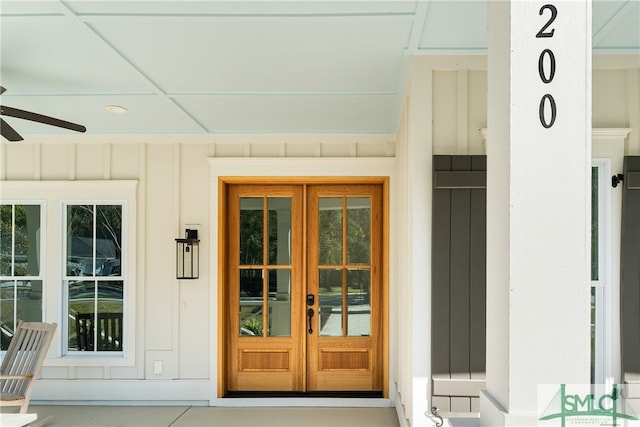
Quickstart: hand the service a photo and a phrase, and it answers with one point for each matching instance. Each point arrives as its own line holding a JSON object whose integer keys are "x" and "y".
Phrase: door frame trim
{"x": 225, "y": 171}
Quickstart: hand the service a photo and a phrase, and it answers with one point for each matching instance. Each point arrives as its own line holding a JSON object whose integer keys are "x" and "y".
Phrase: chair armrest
{"x": 15, "y": 377}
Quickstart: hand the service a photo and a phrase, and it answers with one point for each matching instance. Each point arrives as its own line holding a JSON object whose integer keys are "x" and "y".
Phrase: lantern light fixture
{"x": 187, "y": 255}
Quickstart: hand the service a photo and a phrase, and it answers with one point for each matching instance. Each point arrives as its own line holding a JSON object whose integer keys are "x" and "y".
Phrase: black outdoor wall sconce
{"x": 187, "y": 256}
{"x": 616, "y": 179}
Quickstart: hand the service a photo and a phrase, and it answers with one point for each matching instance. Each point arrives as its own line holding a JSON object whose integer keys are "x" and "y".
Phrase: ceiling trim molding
{"x": 596, "y": 133}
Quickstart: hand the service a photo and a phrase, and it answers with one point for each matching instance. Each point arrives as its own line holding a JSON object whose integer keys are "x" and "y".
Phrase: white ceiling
{"x": 229, "y": 67}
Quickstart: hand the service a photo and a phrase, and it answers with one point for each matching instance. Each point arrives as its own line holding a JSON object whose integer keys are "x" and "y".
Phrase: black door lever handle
{"x": 310, "y": 314}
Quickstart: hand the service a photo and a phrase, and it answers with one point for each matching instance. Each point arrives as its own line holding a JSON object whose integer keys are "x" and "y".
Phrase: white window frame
{"x": 55, "y": 195}
{"x": 42, "y": 243}
{"x": 96, "y": 279}
{"x": 603, "y": 285}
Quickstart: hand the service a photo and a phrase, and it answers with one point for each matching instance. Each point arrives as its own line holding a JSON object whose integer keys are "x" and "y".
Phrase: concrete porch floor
{"x": 198, "y": 416}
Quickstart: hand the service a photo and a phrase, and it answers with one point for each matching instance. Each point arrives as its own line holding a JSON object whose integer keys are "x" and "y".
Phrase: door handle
{"x": 310, "y": 314}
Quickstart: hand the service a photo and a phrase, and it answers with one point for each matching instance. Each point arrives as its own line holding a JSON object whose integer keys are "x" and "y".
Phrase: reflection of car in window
{"x": 109, "y": 267}
{"x": 73, "y": 268}
{"x": 84, "y": 267}
{"x": 79, "y": 266}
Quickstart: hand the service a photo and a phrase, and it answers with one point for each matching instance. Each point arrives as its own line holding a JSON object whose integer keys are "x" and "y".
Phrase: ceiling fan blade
{"x": 40, "y": 118}
{"x": 8, "y": 132}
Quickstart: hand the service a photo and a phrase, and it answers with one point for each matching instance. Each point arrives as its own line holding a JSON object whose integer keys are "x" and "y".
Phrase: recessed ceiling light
{"x": 116, "y": 109}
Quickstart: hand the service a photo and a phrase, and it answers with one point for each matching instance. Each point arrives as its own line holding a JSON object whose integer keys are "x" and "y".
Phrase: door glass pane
{"x": 279, "y": 230}
{"x": 330, "y": 304}
{"x": 279, "y": 303}
{"x": 358, "y": 230}
{"x": 251, "y": 302}
{"x": 359, "y": 302}
{"x": 330, "y": 230}
{"x": 108, "y": 240}
{"x": 251, "y": 230}
{"x": 80, "y": 240}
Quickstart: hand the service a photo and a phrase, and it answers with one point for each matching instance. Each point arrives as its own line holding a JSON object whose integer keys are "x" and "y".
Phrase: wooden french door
{"x": 304, "y": 294}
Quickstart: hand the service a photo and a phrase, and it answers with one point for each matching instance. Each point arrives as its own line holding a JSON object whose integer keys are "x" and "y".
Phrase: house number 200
{"x": 547, "y": 67}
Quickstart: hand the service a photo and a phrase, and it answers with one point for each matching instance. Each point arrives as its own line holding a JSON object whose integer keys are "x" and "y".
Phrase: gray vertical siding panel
{"x": 630, "y": 270}
{"x": 479, "y": 163}
{"x": 440, "y": 274}
{"x": 477, "y": 284}
{"x": 459, "y": 274}
{"x": 460, "y": 270}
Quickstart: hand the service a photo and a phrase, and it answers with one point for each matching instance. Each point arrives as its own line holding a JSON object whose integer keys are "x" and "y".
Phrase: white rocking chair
{"x": 22, "y": 362}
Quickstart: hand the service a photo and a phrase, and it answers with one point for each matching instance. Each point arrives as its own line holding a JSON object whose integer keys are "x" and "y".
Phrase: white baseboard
{"x": 632, "y": 389}
{"x": 169, "y": 392}
{"x": 148, "y": 392}
{"x": 494, "y": 415}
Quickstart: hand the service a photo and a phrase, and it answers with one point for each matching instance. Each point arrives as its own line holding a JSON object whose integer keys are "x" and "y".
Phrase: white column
{"x": 419, "y": 170}
{"x": 538, "y": 203}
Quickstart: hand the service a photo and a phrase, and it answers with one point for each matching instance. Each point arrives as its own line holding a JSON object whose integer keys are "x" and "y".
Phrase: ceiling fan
{"x": 10, "y": 133}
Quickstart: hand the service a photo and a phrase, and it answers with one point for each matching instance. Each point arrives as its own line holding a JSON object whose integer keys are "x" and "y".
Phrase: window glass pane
{"x": 108, "y": 241}
{"x": 279, "y": 230}
{"x": 81, "y": 315}
{"x": 330, "y": 304}
{"x": 251, "y": 302}
{"x": 330, "y": 230}
{"x": 26, "y": 240}
{"x": 358, "y": 230}
{"x": 29, "y": 300}
{"x": 594, "y": 224}
{"x": 7, "y": 312}
{"x": 110, "y": 309}
{"x": 251, "y": 230}
{"x": 80, "y": 240}
{"x": 6, "y": 236}
{"x": 279, "y": 303}
{"x": 359, "y": 302}
{"x": 593, "y": 335}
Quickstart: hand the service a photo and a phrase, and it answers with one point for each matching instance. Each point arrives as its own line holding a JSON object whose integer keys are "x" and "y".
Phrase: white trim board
{"x": 129, "y": 391}
{"x": 288, "y": 167}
